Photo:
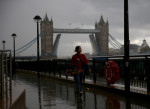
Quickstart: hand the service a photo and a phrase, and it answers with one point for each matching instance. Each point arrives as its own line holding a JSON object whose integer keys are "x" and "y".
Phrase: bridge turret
{"x": 46, "y": 18}
{"x": 101, "y": 22}
{"x": 107, "y": 22}
{"x": 51, "y": 20}
{"x": 102, "y": 37}
{"x": 47, "y": 37}
{"x": 95, "y": 24}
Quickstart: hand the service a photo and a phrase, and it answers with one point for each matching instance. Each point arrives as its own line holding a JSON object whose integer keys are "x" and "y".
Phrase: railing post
{"x": 2, "y": 76}
{"x": 94, "y": 73}
{"x": 50, "y": 68}
{"x": 148, "y": 74}
{"x": 59, "y": 61}
{"x": 10, "y": 72}
{"x": 127, "y": 75}
{"x": 6, "y": 72}
{"x": 54, "y": 66}
{"x": 66, "y": 68}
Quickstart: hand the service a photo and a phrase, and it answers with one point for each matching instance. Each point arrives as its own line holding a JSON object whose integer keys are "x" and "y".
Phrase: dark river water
{"x": 45, "y": 93}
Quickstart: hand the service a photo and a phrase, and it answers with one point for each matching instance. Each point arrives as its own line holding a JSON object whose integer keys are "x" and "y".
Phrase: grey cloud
{"x": 17, "y": 16}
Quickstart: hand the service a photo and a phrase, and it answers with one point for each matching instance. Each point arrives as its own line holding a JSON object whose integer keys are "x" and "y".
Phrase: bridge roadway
{"x": 76, "y": 30}
{"x": 48, "y": 93}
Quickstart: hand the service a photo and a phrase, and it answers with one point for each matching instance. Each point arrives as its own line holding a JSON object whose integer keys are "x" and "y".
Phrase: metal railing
{"x": 138, "y": 65}
{"x": 5, "y": 72}
{"x": 139, "y": 69}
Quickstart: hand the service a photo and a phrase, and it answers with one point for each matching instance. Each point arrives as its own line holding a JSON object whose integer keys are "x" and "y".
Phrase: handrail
{"x": 6, "y": 72}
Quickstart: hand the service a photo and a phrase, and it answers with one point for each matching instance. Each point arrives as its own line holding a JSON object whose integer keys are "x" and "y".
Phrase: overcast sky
{"x": 16, "y": 16}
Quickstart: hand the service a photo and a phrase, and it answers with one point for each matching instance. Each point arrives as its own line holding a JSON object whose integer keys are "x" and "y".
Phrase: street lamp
{"x": 3, "y": 44}
{"x": 14, "y": 65}
{"x": 37, "y": 19}
{"x": 14, "y": 36}
{"x": 126, "y": 47}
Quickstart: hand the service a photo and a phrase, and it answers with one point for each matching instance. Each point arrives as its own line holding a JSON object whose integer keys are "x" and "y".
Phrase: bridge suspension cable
{"x": 116, "y": 47}
{"x": 26, "y": 46}
{"x": 111, "y": 41}
{"x": 118, "y": 43}
{"x": 114, "y": 42}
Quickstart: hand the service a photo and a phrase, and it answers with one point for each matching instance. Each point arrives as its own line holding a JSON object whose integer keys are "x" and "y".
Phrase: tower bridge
{"x": 98, "y": 37}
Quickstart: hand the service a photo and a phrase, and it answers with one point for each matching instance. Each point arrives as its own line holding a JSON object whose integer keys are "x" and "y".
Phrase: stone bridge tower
{"x": 102, "y": 37}
{"x": 47, "y": 37}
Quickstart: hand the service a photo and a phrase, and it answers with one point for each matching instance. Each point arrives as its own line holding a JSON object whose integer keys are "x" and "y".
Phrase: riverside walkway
{"x": 56, "y": 93}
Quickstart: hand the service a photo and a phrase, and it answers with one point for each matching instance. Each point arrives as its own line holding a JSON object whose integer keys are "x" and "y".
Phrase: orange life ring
{"x": 111, "y": 72}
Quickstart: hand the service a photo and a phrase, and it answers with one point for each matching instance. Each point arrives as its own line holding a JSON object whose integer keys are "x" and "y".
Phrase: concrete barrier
{"x": 15, "y": 98}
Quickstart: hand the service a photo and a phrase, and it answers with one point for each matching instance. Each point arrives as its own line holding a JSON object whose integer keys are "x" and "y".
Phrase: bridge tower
{"x": 47, "y": 37}
{"x": 102, "y": 37}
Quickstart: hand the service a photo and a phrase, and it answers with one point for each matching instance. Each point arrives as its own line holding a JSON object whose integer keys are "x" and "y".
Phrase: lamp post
{"x": 37, "y": 19}
{"x": 3, "y": 44}
{"x": 14, "y": 36}
{"x": 14, "y": 65}
{"x": 126, "y": 47}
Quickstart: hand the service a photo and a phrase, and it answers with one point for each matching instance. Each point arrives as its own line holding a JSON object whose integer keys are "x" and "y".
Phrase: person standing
{"x": 78, "y": 62}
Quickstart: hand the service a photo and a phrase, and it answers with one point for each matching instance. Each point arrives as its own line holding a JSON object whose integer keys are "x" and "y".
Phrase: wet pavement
{"x": 45, "y": 93}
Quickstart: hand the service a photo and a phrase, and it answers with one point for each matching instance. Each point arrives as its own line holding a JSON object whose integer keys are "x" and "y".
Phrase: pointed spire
{"x": 101, "y": 17}
{"x": 107, "y": 22}
{"x": 46, "y": 17}
{"x": 101, "y": 20}
{"x": 51, "y": 19}
{"x": 96, "y": 24}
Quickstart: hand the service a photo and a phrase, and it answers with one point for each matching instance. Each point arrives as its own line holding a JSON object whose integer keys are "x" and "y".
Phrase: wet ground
{"x": 45, "y": 93}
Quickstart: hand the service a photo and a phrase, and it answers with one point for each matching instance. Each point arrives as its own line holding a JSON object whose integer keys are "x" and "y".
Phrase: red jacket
{"x": 76, "y": 61}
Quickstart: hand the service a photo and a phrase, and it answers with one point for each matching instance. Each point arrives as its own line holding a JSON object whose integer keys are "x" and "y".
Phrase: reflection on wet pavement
{"x": 45, "y": 93}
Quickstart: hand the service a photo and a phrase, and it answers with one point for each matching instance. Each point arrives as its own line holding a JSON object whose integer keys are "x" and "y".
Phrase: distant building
{"x": 113, "y": 51}
{"x": 136, "y": 49}
{"x": 144, "y": 47}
